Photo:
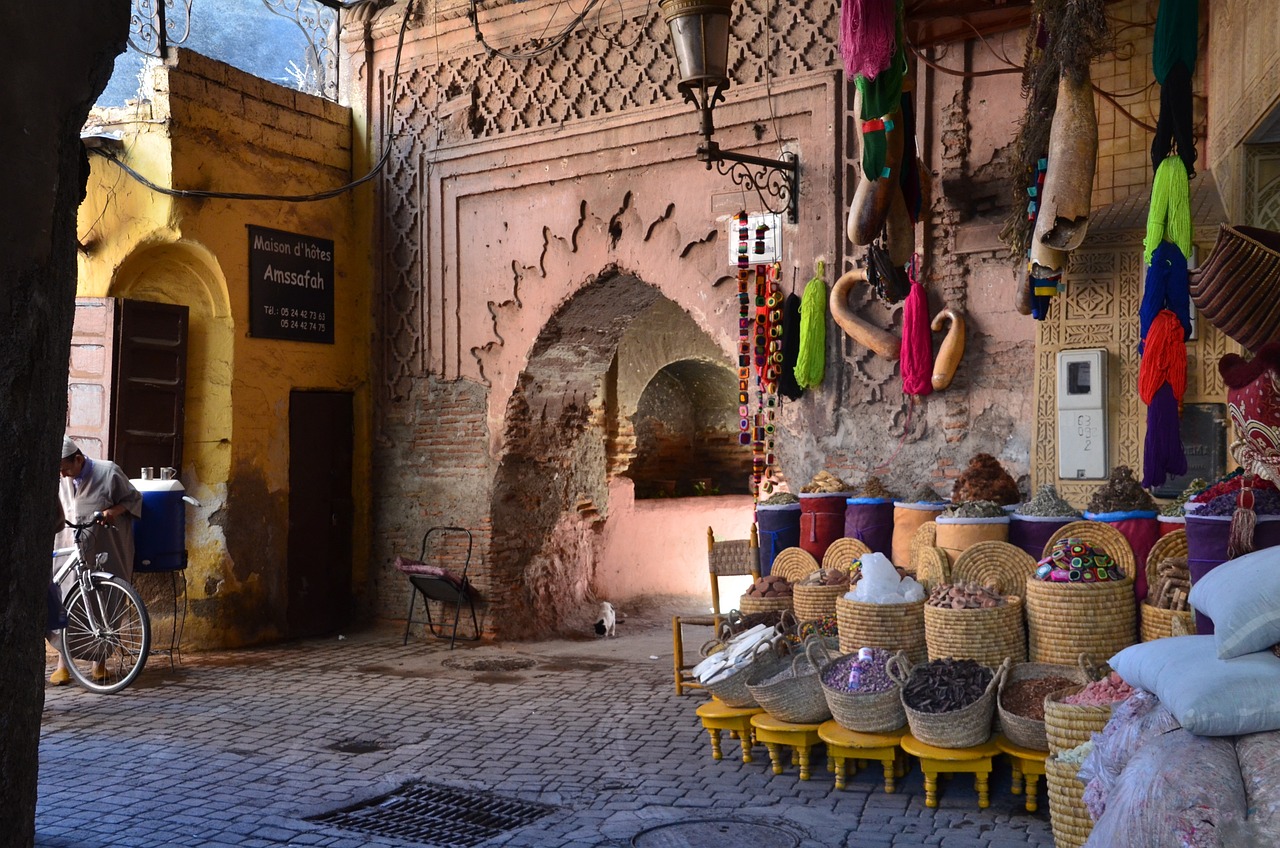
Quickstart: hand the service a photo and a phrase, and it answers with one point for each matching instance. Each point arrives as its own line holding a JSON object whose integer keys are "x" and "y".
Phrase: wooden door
{"x": 320, "y": 507}
{"x": 150, "y": 386}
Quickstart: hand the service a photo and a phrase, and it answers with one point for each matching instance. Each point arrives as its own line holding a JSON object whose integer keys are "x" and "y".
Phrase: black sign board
{"x": 290, "y": 286}
{"x": 1204, "y": 440}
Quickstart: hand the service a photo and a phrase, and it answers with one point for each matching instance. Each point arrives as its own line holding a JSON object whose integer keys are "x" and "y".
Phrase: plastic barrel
{"x": 870, "y": 521}
{"x": 160, "y": 536}
{"x": 821, "y": 521}
{"x": 1207, "y": 548}
{"x": 1032, "y": 532}
{"x": 907, "y": 518}
{"x": 779, "y": 528}
{"x": 1141, "y": 529}
{"x": 956, "y": 535}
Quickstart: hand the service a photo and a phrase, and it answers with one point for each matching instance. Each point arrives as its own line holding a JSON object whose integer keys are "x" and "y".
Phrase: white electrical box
{"x": 1082, "y": 414}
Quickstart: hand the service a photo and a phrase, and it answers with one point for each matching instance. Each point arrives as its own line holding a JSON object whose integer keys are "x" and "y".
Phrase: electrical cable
{"x": 286, "y": 198}
{"x": 474, "y": 15}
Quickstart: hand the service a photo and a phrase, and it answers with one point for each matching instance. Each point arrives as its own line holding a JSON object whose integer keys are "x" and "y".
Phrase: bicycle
{"x": 108, "y": 634}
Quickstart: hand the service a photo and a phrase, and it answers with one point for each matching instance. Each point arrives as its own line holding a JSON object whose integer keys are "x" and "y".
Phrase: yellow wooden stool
{"x": 844, "y": 745}
{"x": 935, "y": 761}
{"x": 717, "y": 716}
{"x": 1027, "y": 763}
{"x": 777, "y": 734}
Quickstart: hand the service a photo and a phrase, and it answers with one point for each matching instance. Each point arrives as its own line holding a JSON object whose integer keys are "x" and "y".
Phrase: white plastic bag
{"x": 1259, "y": 755}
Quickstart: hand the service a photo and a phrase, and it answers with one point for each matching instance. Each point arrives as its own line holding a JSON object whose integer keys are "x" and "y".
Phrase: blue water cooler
{"x": 160, "y": 536}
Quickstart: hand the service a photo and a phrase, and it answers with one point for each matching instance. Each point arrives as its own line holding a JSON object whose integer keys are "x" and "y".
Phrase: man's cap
{"x": 69, "y": 448}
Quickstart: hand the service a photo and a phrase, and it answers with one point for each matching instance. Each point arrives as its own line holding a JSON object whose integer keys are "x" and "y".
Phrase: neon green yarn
{"x": 811, "y": 363}
{"x": 1169, "y": 218}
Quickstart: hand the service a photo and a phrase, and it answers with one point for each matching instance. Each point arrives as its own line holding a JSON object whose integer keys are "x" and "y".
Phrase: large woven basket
{"x": 1237, "y": 289}
{"x": 748, "y": 604}
{"x": 1099, "y": 535}
{"x": 843, "y": 552}
{"x": 878, "y": 712}
{"x": 962, "y": 728}
{"x": 1067, "y": 726}
{"x": 1064, "y": 619}
{"x": 1020, "y": 730}
{"x": 815, "y": 602}
{"x": 793, "y": 563}
{"x": 1158, "y": 623}
{"x": 986, "y": 635}
{"x": 999, "y": 564}
{"x": 1068, "y": 815}
{"x": 925, "y": 536}
{"x": 732, "y": 688}
{"x": 894, "y": 627}
{"x": 791, "y": 691}
{"x": 933, "y": 567}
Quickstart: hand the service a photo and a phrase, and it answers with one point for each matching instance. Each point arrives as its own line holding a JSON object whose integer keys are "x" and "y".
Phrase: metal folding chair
{"x": 444, "y": 590}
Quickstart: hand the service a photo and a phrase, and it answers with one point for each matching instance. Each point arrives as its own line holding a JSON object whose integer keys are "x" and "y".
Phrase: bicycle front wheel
{"x": 106, "y": 647}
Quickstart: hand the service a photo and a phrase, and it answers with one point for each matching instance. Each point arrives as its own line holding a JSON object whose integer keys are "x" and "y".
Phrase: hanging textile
{"x": 1162, "y": 453}
{"x": 1177, "y": 37}
{"x": 879, "y": 101}
{"x": 1170, "y": 214}
{"x": 1164, "y": 360}
{"x": 868, "y": 37}
{"x": 787, "y": 385}
{"x": 1173, "y": 60}
{"x": 917, "y": 341}
{"x": 1167, "y": 287}
{"x": 812, "y": 359}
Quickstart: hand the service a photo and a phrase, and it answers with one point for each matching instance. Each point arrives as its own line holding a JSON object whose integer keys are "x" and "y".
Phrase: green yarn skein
{"x": 1169, "y": 218}
{"x": 811, "y": 363}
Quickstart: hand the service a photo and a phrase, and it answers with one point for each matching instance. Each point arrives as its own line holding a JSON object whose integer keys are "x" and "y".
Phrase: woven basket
{"x": 815, "y": 602}
{"x": 1157, "y": 623}
{"x": 1020, "y": 730}
{"x": 933, "y": 567}
{"x": 1237, "y": 289}
{"x": 1067, "y": 726}
{"x": 1064, "y": 619}
{"x": 1068, "y": 815}
{"x": 926, "y": 536}
{"x": 843, "y": 552}
{"x": 962, "y": 728}
{"x": 907, "y": 519}
{"x": 793, "y": 563}
{"x": 748, "y": 604}
{"x": 956, "y": 538}
{"x": 879, "y": 712}
{"x": 732, "y": 688}
{"x": 894, "y": 627}
{"x": 1002, "y": 565}
{"x": 1100, "y": 535}
{"x": 986, "y": 635}
{"x": 791, "y": 691}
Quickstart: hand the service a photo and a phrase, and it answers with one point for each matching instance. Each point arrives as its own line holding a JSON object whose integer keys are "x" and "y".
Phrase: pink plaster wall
{"x": 659, "y": 547}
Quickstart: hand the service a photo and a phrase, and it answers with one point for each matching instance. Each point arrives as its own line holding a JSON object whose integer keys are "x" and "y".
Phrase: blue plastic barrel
{"x": 779, "y": 526}
{"x": 160, "y": 536}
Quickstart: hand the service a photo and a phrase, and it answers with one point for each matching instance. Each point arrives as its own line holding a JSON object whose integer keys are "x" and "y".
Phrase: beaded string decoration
{"x": 745, "y": 330}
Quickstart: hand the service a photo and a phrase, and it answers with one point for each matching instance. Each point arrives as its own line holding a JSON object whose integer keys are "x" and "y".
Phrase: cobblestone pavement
{"x": 242, "y": 748}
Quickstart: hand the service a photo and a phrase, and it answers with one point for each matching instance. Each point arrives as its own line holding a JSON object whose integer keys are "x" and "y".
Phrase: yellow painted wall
{"x": 211, "y": 127}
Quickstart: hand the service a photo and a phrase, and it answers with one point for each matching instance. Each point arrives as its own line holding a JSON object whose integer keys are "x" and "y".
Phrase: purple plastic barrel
{"x": 779, "y": 528}
{"x": 1033, "y": 532}
{"x": 1207, "y": 548}
{"x": 870, "y": 521}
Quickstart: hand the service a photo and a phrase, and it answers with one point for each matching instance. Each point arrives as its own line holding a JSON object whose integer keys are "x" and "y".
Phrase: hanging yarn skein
{"x": 917, "y": 341}
{"x": 868, "y": 37}
{"x": 811, "y": 362}
{"x": 1173, "y": 59}
{"x": 1170, "y": 215}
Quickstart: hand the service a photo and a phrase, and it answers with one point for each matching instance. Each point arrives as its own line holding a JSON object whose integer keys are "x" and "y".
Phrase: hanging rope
{"x": 811, "y": 362}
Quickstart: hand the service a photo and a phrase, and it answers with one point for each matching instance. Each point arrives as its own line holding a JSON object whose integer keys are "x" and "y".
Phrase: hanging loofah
{"x": 1165, "y": 358}
{"x": 811, "y": 361}
{"x": 917, "y": 342}
{"x": 1170, "y": 214}
{"x": 868, "y": 36}
{"x": 1167, "y": 287}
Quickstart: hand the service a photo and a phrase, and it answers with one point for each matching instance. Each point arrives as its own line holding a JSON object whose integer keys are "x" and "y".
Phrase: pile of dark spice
{"x": 1048, "y": 503}
{"x": 974, "y": 509}
{"x": 1174, "y": 509}
{"x": 946, "y": 685}
{"x": 1121, "y": 493}
{"x": 865, "y": 676}
{"x": 1265, "y": 502}
{"x": 1026, "y": 697}
{"x": 927, "y": 494}
{"x": 985, "y": 480}
{"x": 873, "y": 488}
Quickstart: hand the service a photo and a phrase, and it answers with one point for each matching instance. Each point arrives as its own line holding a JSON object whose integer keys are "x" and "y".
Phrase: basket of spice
{"x": 791, "y": 690}
{"x": 962, "y": 525}
{"x": 766, "y": 594}
{"x": 1068, "y": 815}
{"x": 860, "y": 693}
{"x": 1081, "y": 597}
{"x": 908, "y": 515}
{"x": 1074, "y": 714}
{"x": 1034, "y": 522}
{"x": 815, "y": 595}
{"x": 1169, "y": 584}
{"x": 971, "y": 621}
{"x": 1172, "y": 515}
{"x": 949, "y": 703}
{"x": 884, "y": 610}
{"x": 1020, "y": 703}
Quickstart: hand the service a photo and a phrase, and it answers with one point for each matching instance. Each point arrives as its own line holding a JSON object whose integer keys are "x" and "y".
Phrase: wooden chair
{"x": 729, "y": 558}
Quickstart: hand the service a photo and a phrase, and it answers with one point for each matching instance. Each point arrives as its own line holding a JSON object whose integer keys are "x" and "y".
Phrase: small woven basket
{"x": 1020, "y": 730}
{"x": 1158, "y": 623}
{"x": 876, "y": 712}
{"x": 999, "y": 564}
{"x": 1068, "y": 815}
{"x": 732, "y": 688}
{"x": 894, "y": 627}
{"x": 933, "y": 567}
{"x": 748, "y": 604}
{"x": 793, "y": 563}
{"x": 962, "y": 728}
{"x": 816, "y": 602}
{"x": 791, "y": 691}
{"x": 1100, "y": 535}
{"x": 843, "y": 552}
{"x": 986, "y": 635}
{"x": 1067, "y": 726}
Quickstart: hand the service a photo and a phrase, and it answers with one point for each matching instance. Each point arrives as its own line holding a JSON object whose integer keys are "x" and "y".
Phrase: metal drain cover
{"x": 699, "y": 834}
{"x": 499, "y": 663}
{"x": 434, "y": 814}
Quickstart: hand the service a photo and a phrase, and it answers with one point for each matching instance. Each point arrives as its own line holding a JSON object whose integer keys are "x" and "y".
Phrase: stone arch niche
{"x": 551, "y": 492}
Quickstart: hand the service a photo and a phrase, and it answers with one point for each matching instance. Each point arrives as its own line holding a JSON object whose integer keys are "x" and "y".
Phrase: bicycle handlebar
{"x": 95, "y": 519}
